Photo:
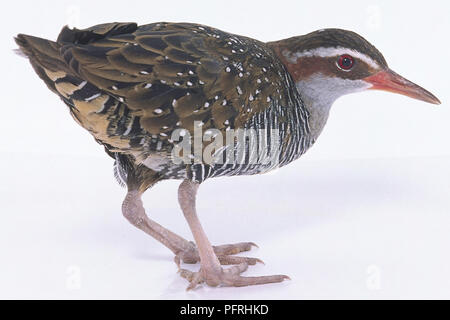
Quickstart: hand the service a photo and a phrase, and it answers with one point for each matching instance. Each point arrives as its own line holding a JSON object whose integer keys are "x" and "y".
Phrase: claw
{"x": 254, "y": 244}
{"x": 177, "y": 261}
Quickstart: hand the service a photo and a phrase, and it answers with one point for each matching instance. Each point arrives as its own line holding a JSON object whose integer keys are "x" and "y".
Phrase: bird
{"x": 158, "y": 96}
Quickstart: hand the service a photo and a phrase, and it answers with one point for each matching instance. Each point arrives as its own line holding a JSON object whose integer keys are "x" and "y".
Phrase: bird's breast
{"x": 270, "y": 139}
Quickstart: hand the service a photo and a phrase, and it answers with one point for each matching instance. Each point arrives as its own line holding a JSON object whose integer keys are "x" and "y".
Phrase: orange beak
{"x": 388, "y": 80}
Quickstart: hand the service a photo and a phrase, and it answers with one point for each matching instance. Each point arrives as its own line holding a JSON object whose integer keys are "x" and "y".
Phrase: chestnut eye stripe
{"x": 335, "y": 52}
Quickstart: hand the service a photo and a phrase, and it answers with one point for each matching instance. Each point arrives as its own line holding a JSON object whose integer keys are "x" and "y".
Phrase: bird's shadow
{"x": 256, "y": 208}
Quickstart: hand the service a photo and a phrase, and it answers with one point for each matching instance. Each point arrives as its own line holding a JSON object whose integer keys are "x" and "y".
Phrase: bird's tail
{"x": 44, "y": 56}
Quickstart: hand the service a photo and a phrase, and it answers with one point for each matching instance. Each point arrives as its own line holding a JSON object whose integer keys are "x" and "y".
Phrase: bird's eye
{"x": 345, "y": 62}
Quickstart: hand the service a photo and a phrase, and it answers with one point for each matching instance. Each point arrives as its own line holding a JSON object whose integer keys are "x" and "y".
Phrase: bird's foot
{"x": 230, "y": 277}
{"x": 224, "y": 253}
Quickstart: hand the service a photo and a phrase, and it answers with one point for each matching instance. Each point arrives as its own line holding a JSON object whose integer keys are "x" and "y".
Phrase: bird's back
{"x": 132, "y": 87}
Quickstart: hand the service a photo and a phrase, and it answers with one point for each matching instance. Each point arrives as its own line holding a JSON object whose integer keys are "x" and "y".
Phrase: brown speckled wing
{"x": 172, "y": 74}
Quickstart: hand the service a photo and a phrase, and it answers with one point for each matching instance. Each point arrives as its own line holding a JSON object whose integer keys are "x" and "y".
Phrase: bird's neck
{"x": 317, "y": 102}
{"x": 310, "y": 87}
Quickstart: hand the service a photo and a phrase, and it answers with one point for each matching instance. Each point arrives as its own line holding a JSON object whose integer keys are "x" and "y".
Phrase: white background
{"x": 365, "y": 213}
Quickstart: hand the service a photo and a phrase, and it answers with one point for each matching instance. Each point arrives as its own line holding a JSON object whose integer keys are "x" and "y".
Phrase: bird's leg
{"x": 183, "y": 249}
{"x": 133, "y": 210}
{"x": 211, "y": 270}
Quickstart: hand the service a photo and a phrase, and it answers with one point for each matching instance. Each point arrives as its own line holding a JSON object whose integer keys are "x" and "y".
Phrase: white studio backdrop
{"x": 364, "y": 214}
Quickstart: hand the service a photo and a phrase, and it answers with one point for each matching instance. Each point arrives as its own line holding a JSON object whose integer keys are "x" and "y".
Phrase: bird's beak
{"x": 388, "y": 80}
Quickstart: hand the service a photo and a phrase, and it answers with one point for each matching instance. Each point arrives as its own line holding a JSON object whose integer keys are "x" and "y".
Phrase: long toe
{"x": 239, "y": 281}
{"x": 233, "y": 260}
{"x": 230, "y": 277}
{"x": 223, "y": 252}
{"x": 194, "y": 278}
{"x": 227, "y": 249}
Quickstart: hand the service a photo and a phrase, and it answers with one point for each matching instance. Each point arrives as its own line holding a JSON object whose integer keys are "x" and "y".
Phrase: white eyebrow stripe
{"x": 331, "y": 52}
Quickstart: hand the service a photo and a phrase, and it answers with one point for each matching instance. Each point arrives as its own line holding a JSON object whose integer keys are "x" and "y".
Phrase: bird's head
{"x": 329, "y": 63}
